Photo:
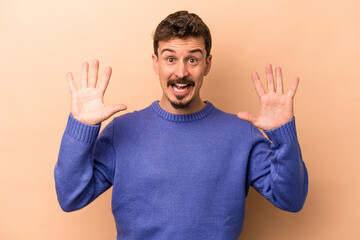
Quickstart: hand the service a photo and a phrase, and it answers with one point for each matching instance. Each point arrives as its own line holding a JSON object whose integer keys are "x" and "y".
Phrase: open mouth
{"x": 180, "y": 87}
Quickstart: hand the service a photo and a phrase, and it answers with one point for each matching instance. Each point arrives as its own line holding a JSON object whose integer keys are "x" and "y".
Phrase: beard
{"x": 179, "y": 104}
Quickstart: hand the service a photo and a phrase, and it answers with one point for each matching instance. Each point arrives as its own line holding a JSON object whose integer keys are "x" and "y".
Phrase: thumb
{"x": 109, "y": 111}
{"x": 247, "y": 117}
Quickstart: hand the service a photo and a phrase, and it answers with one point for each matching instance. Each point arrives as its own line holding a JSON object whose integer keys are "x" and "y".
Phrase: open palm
{"x": 276, "y": 108}
{"x": 87, "y": 103}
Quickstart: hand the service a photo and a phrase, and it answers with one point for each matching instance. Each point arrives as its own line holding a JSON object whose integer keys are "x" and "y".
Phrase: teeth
{"x": 180, "y": 87}
{"x": 180, "y": 90}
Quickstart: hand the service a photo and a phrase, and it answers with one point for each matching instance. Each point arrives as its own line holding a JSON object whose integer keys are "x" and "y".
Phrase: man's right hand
{"x": 87, "y": 103}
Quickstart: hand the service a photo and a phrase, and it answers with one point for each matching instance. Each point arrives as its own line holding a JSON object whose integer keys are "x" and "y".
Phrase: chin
{"x": 180, "y": 105}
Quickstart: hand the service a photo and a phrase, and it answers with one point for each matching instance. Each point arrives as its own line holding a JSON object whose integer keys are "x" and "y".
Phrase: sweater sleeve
{"x": 276, "y": 168}
{"x": 85, "y": 165}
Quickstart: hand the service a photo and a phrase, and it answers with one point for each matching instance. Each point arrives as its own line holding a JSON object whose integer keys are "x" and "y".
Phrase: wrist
{"x": 284, "y": 133}
{"x": 84, "y": 120}
{"x": 81, "y": 131}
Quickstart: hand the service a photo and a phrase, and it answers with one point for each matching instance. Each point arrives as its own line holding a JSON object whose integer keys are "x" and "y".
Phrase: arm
{"x": 84, "y": 168}
{"x": 276, "y": 169}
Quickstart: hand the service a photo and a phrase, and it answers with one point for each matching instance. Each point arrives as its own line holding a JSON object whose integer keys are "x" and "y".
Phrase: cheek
{"x": 197, "y": 74}
{"x": 164, "y": 77}
{"x": 165, "y": 71}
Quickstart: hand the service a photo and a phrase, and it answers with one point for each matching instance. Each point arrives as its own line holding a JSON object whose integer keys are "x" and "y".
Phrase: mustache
{"x": 184, "y": 80}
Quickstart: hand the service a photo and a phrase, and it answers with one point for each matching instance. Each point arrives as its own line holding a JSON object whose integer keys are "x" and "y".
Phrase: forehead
{"x": 182, "y": 45}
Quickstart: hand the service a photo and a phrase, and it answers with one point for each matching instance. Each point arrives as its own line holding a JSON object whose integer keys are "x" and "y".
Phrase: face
{"x": 181, "y": 66}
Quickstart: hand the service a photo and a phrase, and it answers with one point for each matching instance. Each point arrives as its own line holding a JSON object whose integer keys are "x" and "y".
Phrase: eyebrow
{"x": 192, "y": 51}
{"x": 167, "y": 50}
{"x": 196, "y": 50}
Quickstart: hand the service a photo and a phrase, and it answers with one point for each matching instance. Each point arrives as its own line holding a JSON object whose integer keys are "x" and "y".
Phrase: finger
{"x": 94, "y": 73}
{"x": 71, "y": 83}
{"x": 279, "y": 80}
{"x": 247, "y": 117}
{"x": 269, "y": 77}
{"x": 84, "y": 75}
{"x": 293, "y": 87}
{"x": 105, "y": 79}
{"x": 109, "y": 111}
{"x": 257, "y": 84}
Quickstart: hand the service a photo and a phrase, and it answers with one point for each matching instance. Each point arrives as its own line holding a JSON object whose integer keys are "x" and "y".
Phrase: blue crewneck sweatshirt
{"x": 179, "y": 176}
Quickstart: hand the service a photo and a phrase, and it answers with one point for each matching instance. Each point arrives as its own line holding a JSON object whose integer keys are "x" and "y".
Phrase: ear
{"x": 155, "y": 64}
{"x": 208, "y": 65}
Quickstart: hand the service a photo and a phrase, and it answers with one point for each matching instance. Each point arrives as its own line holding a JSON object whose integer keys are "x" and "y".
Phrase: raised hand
{"x": 277, "y": 108}
{"x": 87, "y": 103}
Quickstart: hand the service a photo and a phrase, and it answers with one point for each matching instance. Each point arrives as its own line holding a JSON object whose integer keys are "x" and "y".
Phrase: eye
{"x": 170, "y": 59}
{"x": 193, "y": 61}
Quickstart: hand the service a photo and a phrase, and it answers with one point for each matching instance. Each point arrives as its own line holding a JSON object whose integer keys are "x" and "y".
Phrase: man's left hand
{"x": 277, "y": 108}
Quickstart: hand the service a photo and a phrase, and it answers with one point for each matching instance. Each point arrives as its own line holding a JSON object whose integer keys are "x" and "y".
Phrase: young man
{"x": 180, "y": 168}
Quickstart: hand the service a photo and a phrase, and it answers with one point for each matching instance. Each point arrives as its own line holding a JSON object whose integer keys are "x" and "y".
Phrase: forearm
{"x": 74, "y": 170}
{"x": 287, "y": 181}
{"x": 290, "y": 182}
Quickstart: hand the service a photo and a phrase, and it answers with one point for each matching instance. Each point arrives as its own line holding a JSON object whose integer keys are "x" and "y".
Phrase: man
{"x": 180, "y": 168}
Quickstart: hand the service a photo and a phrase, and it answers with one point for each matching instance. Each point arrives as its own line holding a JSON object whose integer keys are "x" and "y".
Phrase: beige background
{"x": 41, "y": 40}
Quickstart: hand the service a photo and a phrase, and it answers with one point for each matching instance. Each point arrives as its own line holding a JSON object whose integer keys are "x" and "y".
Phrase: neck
{"x": 196, "y": 105}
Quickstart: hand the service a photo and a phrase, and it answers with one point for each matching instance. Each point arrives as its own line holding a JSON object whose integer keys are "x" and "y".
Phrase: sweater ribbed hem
{"x": 182, "y": 118}
{"x": 283, "y": 134}
{"x": 81, "y": 131}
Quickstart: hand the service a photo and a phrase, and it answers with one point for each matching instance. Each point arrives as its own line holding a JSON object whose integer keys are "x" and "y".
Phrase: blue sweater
{"x": 179, "y": 176}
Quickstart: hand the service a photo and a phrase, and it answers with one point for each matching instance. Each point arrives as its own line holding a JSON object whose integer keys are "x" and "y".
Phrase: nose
{"x": 181, "y": 70}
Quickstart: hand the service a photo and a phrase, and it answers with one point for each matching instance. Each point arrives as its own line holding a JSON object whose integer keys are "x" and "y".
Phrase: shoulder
{"x": 231, "y": 123}
{"x": 128, "y": 118}
{"x": 230, "y": 118}
{"x": 138, "y": 119}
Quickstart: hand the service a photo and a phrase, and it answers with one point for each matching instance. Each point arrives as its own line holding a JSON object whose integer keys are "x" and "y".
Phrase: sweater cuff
{"x": 81, "y": 131}
{"x": 283, "y": 134}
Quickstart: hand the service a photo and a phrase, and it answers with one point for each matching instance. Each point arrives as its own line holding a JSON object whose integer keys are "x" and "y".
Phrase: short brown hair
{"x": 182, "y": 24}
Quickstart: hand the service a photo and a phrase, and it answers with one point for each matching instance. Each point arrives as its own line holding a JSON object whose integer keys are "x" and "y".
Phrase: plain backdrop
{"x": 41, "y": 40}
